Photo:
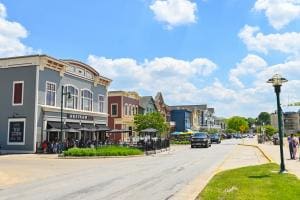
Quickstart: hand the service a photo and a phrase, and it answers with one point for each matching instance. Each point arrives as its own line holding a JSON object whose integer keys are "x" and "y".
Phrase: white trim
{"x": 37, "y": 76}
{"x": 13, "y": 94}
{"x": 4, "y": 151}
{"x": 46, "y": 90}
{"x": 111, "y": 114}
{"x": 16, "y": 120}
{"x": 73, "y": 111}
{"x": 81, "y": 106}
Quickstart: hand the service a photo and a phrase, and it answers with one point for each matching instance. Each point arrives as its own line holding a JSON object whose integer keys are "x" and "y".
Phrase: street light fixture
{"x": 277, "y": 81}
{"x": 61, "y": 107}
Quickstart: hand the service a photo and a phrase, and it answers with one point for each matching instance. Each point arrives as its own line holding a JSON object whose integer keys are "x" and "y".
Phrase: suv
{"x": 200, "y": 139}
{"x": 215, "y": 138}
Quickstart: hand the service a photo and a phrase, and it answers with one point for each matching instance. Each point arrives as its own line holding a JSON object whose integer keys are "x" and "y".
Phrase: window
{"x": 126, "y": 109}
{"x": 16, "y": 131}
{"x": 73, "y": 101}
{"x": 101, "y": 103}
{"x": 86, "y": 100}
{"x": 50, "y": 94}
{"x": 114, "y": 109}
{"x": 129, "y": 110}
{"x": 88, "y": 75}
{"x": 18, "y": 91}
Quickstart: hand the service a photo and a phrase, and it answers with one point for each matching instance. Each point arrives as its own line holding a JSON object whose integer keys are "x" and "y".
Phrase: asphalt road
{"x": 160, "y": 176}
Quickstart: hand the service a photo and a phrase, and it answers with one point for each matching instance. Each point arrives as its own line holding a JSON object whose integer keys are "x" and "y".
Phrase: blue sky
{"x": 214, "y": 52}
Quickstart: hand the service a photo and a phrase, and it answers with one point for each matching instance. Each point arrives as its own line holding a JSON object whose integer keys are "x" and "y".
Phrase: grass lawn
{"x": 254, "y": 182}
{"x": 103, "y": 151}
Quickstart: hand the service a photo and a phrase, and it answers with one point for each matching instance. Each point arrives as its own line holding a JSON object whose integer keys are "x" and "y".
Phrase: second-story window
{"x": 114, "y": 109}
{"x": 129, "y": 113}
{"x": 126, "y": 109}
{"x": 50, "y": 94}
{"x": 73, "y": 101}
{"x": 86, "y": 100}
{"x": 18, "y": 91}
{"x": 101, "y": 103}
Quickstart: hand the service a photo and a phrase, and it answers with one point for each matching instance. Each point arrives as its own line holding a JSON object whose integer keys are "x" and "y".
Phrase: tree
{"x": 151, "y": 120}
{"x": 251, "y": 121}
{"x": 264, "y": 118}
{"x": 269, "y": 130}
{"x": 212, "y": 131}
{"x": 238, "y": 124}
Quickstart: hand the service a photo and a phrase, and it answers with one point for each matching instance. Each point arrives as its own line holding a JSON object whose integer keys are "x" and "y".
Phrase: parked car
{"x": 200, "y": 139}
{"x": 215, "y": 138}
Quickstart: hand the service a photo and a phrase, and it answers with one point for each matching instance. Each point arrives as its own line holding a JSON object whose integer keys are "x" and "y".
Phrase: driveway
{"x": 161, "y": 176}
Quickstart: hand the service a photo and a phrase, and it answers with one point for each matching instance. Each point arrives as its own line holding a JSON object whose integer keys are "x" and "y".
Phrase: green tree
{"x": 238, "y": 124}
{"x": 251, "y": 121}
{"x": 212, "y": 131}
{"x": 228, "y": 130}
{"x": 269, "y": 130}
{"x": 264, "y": 118}
{"x": 151, "y": 120}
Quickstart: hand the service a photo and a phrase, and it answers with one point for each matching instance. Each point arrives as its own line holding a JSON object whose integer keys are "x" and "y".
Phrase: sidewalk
{"x": 273, "y": 151}
{"x": 241, "y": 156}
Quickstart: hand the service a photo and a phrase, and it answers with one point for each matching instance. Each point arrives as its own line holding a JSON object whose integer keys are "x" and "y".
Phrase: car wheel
{"x": 192, "y": 146}
{"x": 206, "y": 146}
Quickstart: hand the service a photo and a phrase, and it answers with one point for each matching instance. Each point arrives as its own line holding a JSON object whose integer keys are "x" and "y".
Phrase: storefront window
{"x": 86, "y": 100}
{"x": 50, "y": 94}
{"x": 73, "y": 101}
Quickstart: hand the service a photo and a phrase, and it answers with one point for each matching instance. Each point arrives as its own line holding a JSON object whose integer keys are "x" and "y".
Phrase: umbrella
{"x": 176, "y": 133}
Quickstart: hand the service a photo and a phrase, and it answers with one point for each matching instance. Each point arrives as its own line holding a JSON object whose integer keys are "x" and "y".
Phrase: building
{"x": 202, "y": 117}
{"x": 147, "y": 105}
{"x": 164, "y": 110}
{"x": 122, "y": 106}
{"x": 182, "y": 119}
{"x": 30, "y": 112}
{"x": 291, "y": 119}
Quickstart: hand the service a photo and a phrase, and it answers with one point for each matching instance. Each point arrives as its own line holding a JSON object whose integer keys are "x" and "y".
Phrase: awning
{"x": 102, "y": 127}
{"x": 73, "y": 125}
{"x": 71, "y": 130}
{"x": 53, "y": 130}
{"x": 149, "y": 130}
{"x": 55, "y": 125}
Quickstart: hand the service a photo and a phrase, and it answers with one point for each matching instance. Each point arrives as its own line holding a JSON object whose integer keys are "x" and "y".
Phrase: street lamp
{"x": 277, "y": 81}
{"x": 61, "y": 107}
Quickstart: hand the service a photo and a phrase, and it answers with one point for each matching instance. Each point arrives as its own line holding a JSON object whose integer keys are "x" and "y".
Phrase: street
{"x": 160, "y": 176}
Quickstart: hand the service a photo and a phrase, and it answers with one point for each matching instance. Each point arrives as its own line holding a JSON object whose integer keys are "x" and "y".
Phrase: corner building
{"x": 30, "y": 106}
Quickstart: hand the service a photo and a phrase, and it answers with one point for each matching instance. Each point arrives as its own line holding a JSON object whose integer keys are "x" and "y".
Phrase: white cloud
{"x": 174, "y": 12}
{"x": 286, "y": 42}
{"x": 250, "y": 65}
{"x": 279, "y": 12}
{"x": 10, "y": 35}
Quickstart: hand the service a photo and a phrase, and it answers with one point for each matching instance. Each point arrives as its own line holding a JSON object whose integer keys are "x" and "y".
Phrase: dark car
{"x": 200, "y": 139}
{"x": 215, "y": 138}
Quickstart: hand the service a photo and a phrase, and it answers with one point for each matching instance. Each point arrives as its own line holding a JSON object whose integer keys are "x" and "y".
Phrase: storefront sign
{"x": 16, "y": 131}
{"x": 80, "y": 117}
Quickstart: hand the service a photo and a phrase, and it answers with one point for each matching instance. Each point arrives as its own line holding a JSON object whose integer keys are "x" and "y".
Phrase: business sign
{"x": 16, "y": 131}
{"x": 80, "y": 117}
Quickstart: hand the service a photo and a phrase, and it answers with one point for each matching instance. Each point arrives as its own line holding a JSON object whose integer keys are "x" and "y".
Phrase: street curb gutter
{"x": 262, "y": 151}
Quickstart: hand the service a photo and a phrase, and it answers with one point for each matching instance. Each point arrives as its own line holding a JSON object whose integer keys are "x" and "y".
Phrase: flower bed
{"x": 103, "y": 151}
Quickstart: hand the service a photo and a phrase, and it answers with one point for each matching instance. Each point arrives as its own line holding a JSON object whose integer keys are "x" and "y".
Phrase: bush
{"x": 103, "y": 151}
{"x": 180, "y": 142}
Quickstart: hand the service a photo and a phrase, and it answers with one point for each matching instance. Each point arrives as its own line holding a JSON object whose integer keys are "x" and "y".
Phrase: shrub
{"x": 103, "y": 151}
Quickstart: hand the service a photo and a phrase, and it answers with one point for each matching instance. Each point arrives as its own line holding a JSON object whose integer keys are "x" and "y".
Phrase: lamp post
{"x": 62, "y": 108}
{"x": 277, "y": 81}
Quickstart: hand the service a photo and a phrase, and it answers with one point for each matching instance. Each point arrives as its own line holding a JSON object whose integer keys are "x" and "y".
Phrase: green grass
{"x": 181, "y": 142}
{"x": 255, "y": 182}
{"x": 103, "y": 151}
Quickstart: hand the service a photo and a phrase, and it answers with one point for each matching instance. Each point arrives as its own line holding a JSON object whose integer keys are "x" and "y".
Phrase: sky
{"x": 219, "y": 53}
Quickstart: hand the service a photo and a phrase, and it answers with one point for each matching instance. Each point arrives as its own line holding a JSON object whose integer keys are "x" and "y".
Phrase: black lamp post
{"x": 277, "y": 81}
{"x": 62, "y": 108}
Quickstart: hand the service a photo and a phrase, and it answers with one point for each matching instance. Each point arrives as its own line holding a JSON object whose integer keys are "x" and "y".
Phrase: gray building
{"x": 291, "y": 119}
{"x": 147, "y": 105}
{"x": 30, "y": 108}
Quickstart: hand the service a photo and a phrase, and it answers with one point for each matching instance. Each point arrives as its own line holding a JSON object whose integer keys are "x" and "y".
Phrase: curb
{"x": 262, "y": 151}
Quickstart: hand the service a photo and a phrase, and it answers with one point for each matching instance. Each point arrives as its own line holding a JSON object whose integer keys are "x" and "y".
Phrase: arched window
{"x": 73, "y": 101}
{"x": 126, "y": 109}
{"x": 86, "y": 100}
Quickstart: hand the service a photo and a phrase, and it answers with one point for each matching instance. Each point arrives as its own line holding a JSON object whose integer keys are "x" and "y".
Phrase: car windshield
{"x": 200, "y": 135}
{"x": 214, "y": 135}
